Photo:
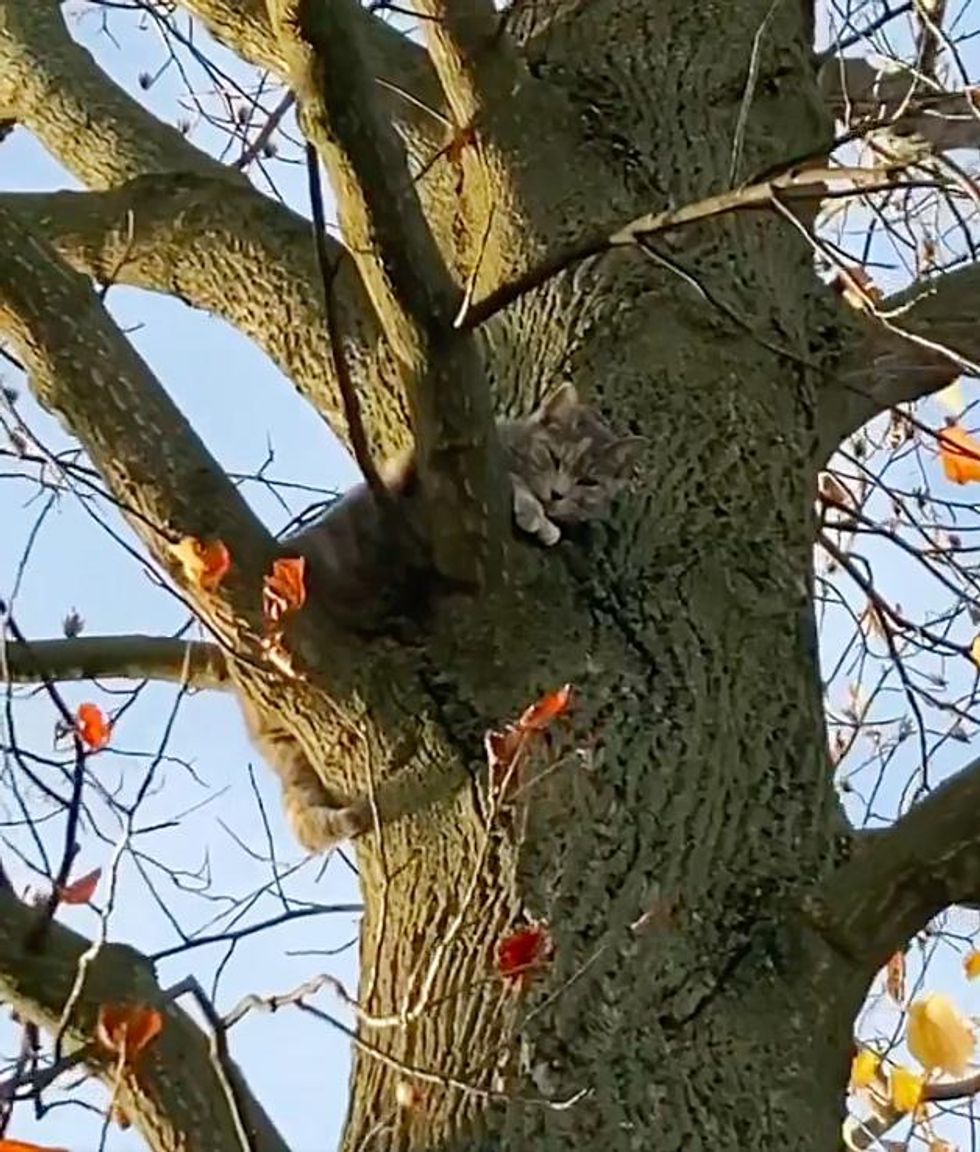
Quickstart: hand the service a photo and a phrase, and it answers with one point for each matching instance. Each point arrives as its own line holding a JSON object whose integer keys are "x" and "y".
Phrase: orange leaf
{"x": 92, "y": 726}
{"x": 80, "y": 891}
{"x": 895, "y": 977}
{"x": 126, "y": 1029}
{"x": 284, "y": 588}
{"x": 971, "y": 965}
{"x": 960, "y": 454}
{"x": 523, "y": 950}
{"x": 205, "y": 562}
{"x": 540, "y": 714}
{"x": 23, "y": 1146}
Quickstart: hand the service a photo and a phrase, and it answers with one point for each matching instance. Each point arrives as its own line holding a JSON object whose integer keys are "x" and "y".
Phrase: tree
{"x": 620, "y": 193}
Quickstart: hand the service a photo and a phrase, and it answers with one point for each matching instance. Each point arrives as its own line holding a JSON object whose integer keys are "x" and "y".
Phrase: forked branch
{"x": 98, "y": 131}
{"x": 177, "y": 1094}
{"x": 414, "y": 294}
{"x": 235, "y": 253}
{"x": 900, "y": 878}
{"x": 901, "y": 104}
{"x": 914, "y": 343}
{"x": 84, "y": 371}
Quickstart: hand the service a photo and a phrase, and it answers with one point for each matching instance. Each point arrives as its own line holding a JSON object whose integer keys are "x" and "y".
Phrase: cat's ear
{"x": 623, "y": 454}
{"x": 558, "y": 405}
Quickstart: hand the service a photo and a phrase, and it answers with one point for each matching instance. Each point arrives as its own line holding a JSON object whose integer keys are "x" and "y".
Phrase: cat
{"x": 565, "y": 466}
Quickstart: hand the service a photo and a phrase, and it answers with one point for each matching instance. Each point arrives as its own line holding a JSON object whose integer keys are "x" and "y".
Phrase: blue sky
{"x": 241, "y": 406}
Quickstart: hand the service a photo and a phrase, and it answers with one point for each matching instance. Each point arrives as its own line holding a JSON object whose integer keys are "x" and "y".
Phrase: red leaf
{"x": 284, "y": 588}
{"x": 92, "y": 726}
{"x": 541, "y": 713}
{"x": 205, "y": 562}
{"x": 523, "y": 950}
{"x": 80, "y": 891}
{"x": 127, "y": 1028}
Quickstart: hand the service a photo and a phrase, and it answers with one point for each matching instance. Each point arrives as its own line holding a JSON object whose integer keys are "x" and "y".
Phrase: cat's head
{"x": 569, "y": 460}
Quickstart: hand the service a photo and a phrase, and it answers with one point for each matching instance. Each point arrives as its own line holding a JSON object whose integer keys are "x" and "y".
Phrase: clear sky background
{"x": 208, "y": 868}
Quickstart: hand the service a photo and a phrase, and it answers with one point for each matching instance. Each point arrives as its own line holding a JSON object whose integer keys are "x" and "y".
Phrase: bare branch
{"x": 911, "y": 345}
{"x": 902, "y": 877}
{"x": 899, "y": 104}
{"x": 193, "y": 662}
{"x": 85, "y": 372}
{"x": 414, "y": 294}
{"x": 172, "y": 1094}
{"x": 239, "y": 255}
{"x": 54, "y": 88}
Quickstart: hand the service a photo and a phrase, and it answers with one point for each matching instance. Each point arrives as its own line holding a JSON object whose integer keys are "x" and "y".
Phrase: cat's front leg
{"x": 316, "y": 823}
{"x": 529, "y": 513}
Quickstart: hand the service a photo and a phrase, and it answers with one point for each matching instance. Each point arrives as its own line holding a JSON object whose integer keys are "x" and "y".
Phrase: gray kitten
{"x": 365, "y": 567}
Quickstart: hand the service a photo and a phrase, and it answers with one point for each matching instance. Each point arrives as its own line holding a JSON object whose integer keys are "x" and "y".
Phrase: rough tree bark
{"x": 705, "y": 794}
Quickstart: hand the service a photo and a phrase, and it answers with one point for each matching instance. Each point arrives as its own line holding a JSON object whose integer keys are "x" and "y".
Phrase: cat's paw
{"x": 320, "y": 828}
{"x": 547, "y": 532}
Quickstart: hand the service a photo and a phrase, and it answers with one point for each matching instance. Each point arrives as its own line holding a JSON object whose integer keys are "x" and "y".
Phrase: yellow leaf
{"x": 938, "y": 1036}
{"x": 864, "y": 1068}
{"x": 975, "y": 651}
{"x": 905, "y": 1089}
{"x": 971, "y": 962}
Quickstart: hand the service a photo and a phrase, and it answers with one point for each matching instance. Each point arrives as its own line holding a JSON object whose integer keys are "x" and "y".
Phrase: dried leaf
{"x": 938, "y": 1036}
{"x": 526, "y": 949}
{"x": 856, "y": 287}
{"x": 960, "y": 454}
{"x": 501, "y": 749}
{"x": 833, "y": 489}
{"x": 895, "y": 977}
{"x": 92, "y": 726}
{"x": 905, "y": 1089}
{"x": 975, "y": 651}
{"x": 971, "y": 965}
{"x": 126, "y": 1029}
{"x": 284, "y": 588}
{"x": 205, "y": 562}
{"x": 951, "y": 398}
{"x": 541, "y": 713}
{"x": 80, "y": 891}
{"x": 864, "y": 1068}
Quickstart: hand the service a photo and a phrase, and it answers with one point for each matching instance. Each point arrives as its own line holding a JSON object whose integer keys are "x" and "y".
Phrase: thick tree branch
{"x": 474, "y": 59}
{"x": 177, "y": 1093}
{"x": 239, "y": 255}
{"x": 195, "y": 663}
{"x": 408, "y": 82}
{"x": 910, "y": 112}
{"x": 903, "y": 876}
{"x": 84, "y": 371}
{"x": 54, "y": 88}
{"x": 413, "y": 291}
{"x": 914, "y": 343}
